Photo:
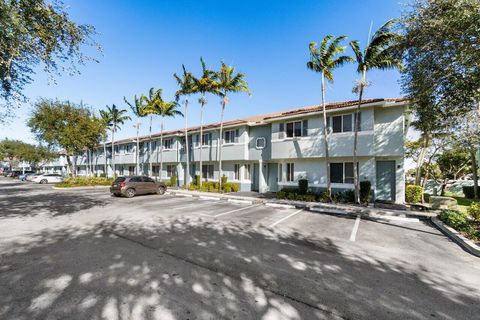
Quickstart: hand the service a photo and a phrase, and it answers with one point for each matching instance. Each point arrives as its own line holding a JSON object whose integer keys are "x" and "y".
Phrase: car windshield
{"x": 120, "y": 179}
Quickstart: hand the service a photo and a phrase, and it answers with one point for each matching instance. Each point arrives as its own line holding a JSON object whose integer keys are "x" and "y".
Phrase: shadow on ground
{"x": 192, "y": 269}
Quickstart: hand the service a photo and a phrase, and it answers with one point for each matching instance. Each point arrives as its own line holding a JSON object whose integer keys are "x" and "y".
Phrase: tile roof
{"x": 269, "y": 116}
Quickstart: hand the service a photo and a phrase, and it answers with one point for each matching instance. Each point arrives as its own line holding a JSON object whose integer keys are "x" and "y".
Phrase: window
{"x": 154, "y": 146}
{"x": 117, "y": 149}
{"x": 341, "y": 172}
{"x": 168, "y": 144}
{"x": 347, "y": 123}
{"x": 206, "y": 139}
{"x": 260, "y": 143}
{"x": 207, "y": 171}
{"x": 147, "y": 179}
{"x": 156, "y": 170}
{"x": 290, "y": 172}
{"x": 296, "y": 128}
{"x": 136, "y": 179}
{"x": 337, "y": 124}
{"x": 343, "y": 123}
{"x": 128, "y": 148}
{"x": 246, "y": 174}
{"x": 231, "y": 136}
{"x": 236, "y": 170}
{"x": 280, "y": 173}
{"x": 131, "y": 170}
{"x": 171, "y": 170}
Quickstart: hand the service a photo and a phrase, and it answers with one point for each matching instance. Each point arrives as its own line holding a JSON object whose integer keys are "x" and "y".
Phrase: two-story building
{"x": 269, "y": 152}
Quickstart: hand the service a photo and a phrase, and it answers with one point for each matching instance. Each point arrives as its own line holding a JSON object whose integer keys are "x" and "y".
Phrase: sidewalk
{"x": 328, "y": 208}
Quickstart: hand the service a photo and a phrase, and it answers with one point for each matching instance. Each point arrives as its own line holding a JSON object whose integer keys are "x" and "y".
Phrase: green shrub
{"x": 413, "y": 193}
{"x": 303, "y": 186}
{"x": 455, "y": 219}
{"x": 323, "y": 197}
{"x": 197, "y": 180}
{"x": 281, "y": 194}
{"x": 348, "y": 196}
{"x": 224, "y": 180}
{"x": 173, "y": 181}
{"x": 469, "y": 192}
{"x": 337, "y": 197}
{"x": 426, "y": 197}
{"x": 230, "y": 187}
{"x": 474, "y": 211}
{"x": 84, "y": 182}
{"x": 226, "y": 188}
{"x": 365, "y": 191}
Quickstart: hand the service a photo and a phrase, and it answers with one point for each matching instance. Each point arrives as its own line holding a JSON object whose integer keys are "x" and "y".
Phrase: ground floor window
{"x": 236, "y": 170}
{"x": 247, "y": 173}
{"x": 131, "y": 170}
{"x": 207, "y": 171}
{"x": 290, "y": 172}
{"x": 341, "y": 172}
{"x": 280, "y": 173}
{"x": 171, "y": 170}
{"x": 155, "y": 170}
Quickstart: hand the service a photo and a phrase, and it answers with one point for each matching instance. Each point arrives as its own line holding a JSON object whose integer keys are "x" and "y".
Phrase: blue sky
{"x": 145, "y": 42}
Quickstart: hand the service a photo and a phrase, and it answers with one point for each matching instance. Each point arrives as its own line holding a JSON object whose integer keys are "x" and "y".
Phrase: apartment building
{"x": 269, "y": 152}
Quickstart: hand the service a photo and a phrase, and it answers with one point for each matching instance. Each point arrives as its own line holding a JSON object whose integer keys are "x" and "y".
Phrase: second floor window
{"x": 231, "y": 136}
{"x": 343, "y": 123}
{"x": 207, "y": 139}
{"x": 168, "y": 144}
{"x": 153, "y": 146}
{"x": 128, "y": 148}
{"x": 117, "y": 149}
{"x": 295, "y": 128}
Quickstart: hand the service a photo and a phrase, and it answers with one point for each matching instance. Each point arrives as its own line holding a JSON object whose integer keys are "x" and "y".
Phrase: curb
{"x": 81, "y": 188}
{"x": 463, "y": 242}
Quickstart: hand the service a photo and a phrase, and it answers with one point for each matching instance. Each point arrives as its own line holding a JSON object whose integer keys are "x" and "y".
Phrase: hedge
{"x": 413, "y": 193}
{"x": 84, "y": 182}
{"x": 214, "y": 186}
{"x": 365, "y": 191}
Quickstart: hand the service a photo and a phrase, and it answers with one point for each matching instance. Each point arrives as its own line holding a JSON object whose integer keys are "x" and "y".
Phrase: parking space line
{"x": 353, "y": 235}
{"x": 235, "y": 210}
{"x": 285, "y": 218}
{"x": 196, "y": 203}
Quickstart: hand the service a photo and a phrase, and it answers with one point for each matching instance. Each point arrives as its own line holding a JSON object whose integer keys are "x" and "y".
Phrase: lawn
{"x": 463, "y": 203}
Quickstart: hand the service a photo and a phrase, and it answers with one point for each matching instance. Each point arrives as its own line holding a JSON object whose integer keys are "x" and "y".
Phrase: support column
{"x": 262, "y": 185}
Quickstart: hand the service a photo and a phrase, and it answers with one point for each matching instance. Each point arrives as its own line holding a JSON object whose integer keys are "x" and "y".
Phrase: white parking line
{"x": 196, "y": 203}
{"x": 235, "y": 210}
{"x": 284, "y": 218}
{"x": 353, "y": 235}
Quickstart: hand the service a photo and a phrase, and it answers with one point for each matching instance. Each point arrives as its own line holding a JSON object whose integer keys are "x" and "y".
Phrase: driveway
{"x": 81, "y": 254}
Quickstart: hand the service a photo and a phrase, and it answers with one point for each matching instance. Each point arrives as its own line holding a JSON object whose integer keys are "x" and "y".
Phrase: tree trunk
{"x": 137, "y": 150}
{"x": 220, "y": 143}
{"x": 150, "y": 148}
{"x": 474, "y": 171}
{"x": 201, "y": 141}
{"x": 70, "y": 166}
{"x": 105, "y": 153}
{"x": 161, "y": 150}
{"x": 187, "y": 151}
{"x": 356, "y": 179}
{"x": 421, "y": 158}
{"x": 113, "y": 151}
{"x": 325, "y": 139}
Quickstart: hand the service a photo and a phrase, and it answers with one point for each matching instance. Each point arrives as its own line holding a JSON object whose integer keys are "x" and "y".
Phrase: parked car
{"x": 30, "y": 177}
{"x": 23, "y": 177}
{"x": 132, "y": 185}
{"x": 14, "y": 173}
{"x": 48, "y": 178}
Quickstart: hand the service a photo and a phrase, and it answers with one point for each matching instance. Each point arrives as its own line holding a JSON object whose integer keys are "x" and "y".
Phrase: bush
{"x": 173, "y": 181}
{"x": 84, "y": 182}
{"x": 323, "y": 197}
{"x": 281, "y": 194}
{"x": 224, "y": 180}
{"x": 426, "y": 197}
{"x": 455, "y": 219}
{"x": 348, "y": 196}
{"x": 413, "y": 193}
{"x": 469, "y": 192}
{"x": 196, "y": 181}
{"x": 365, "y": 191}
{"x": 303, "y": 186}
{"x": 230, "y": 187}
{"x": 474, "y": 211}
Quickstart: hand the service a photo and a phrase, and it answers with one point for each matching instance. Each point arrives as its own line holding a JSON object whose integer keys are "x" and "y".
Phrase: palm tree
{"x": 139, "y": 109}
{"x": 186, "y": 88}
{"x": 378, "y": 54}
{"x": 324, "y": 59}
{"x": 106, "y": 123}
{"x": 227, "y": 82}
{"x": 203, "y": 85}
{"x": 152, "y": 102}
{"x": 116, "y": 117}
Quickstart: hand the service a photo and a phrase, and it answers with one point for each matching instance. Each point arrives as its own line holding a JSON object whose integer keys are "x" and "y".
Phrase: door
{"x": 272, "y": 177}
{"x": 385, "y": 186}
{"x": 254, "y": 178}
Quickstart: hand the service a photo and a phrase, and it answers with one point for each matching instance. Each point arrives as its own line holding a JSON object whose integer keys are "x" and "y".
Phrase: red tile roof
{"x": 269, "y": 116}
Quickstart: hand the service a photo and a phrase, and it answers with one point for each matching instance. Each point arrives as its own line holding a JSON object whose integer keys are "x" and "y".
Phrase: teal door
{"x": 385, "y": 188}
{"x": 255, "y": 176}
{"x": 272, "y": 177}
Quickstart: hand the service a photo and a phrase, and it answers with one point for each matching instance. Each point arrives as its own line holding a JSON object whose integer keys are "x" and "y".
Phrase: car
{"x": 14, "y": 173}
{"x": 30, "y": 177}
{"x": 130, "y": 186}
{"x": 47, "y": 178}
{"x": 23, "y": 177}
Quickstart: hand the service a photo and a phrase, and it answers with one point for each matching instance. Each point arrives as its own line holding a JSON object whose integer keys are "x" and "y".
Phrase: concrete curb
{"x": 81, "y": 188}
{"x": 463, "y": 242}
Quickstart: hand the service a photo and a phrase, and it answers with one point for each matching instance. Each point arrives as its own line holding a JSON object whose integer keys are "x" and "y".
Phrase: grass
{"x": 463, "y": 203}
{"x": 84, "y": 182}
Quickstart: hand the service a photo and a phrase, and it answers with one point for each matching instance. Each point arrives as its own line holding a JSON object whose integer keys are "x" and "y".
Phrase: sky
{"x": 145, "y": 42}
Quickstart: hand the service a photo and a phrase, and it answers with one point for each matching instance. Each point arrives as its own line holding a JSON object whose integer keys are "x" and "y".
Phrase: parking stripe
{"x": 196, "y": 203}
{"x": 284, "y": 218}
{"x": 235, "y": 210}
{"x": 353, "y": 235}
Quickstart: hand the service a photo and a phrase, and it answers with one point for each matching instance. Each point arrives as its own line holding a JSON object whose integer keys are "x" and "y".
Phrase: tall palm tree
{"x": 186, "y": 89}
{"x": 106, "y": 123}
{"x": 227, "y": 82}
{"x": 140, "y": 110}
{"x": 116, "y": 118}
{"x": 203, "y": 85}
{"x": 378, "y": 54}
{"x": 324, "y": 59}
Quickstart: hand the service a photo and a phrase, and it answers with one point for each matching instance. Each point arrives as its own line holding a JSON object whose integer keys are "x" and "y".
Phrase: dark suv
{"x": 133, "y": 185}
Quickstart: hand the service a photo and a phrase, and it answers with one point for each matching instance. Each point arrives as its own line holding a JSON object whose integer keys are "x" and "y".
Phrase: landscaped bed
{"x": 466, "y": 222}
{"x": 84, "y": 182}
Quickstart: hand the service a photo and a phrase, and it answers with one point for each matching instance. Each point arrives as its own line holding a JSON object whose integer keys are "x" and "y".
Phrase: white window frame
{"x": 236, "y": 171}
{"x": 343, "y": 171}
{"x": 171, "y": 146}
{"x": 330, "y": 122}
{"x": 231, "y": 136}
{"x": 290, "y": 172}
{"x": 247, "y": 174}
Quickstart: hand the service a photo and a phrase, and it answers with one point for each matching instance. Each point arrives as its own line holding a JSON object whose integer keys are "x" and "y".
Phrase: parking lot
{"x": 82, "y": 254}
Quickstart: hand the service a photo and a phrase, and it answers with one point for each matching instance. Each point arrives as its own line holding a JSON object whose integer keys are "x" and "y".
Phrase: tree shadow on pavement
{"x": 195, "y": 269}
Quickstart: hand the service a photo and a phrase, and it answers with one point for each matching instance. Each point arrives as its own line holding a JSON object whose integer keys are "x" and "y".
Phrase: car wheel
{"x": 161, "y": 190}
{"x": 43, "y": 181}
{"x": 129, "y": 193}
